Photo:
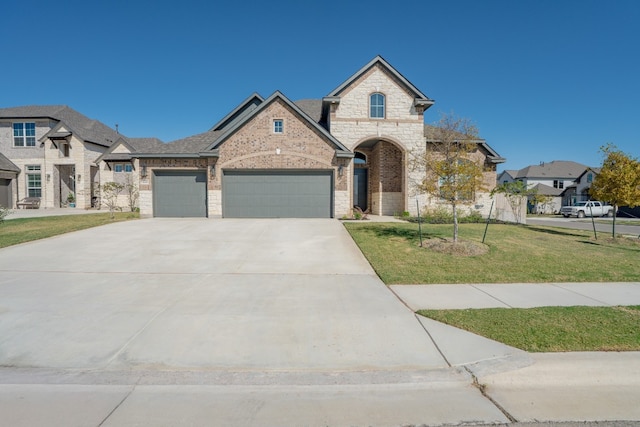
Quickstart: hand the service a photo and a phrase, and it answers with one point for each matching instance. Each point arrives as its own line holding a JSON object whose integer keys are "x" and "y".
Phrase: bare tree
{"x": 453, "y": 169}
{"x": 110, "y": 192}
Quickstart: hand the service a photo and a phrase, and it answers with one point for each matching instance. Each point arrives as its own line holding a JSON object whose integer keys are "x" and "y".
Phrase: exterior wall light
{"x": 340, "y": 170}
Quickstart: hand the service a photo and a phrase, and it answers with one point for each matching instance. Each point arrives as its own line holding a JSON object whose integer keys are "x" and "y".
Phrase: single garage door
{"x": 5, "y": 193}
{"x": 179, "y": 193}
{"x": 277, "y": 194}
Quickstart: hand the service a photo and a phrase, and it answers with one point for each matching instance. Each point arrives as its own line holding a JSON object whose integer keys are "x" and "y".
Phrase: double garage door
{"x": 246, "y": 194}
{"x": 277, "y": 194}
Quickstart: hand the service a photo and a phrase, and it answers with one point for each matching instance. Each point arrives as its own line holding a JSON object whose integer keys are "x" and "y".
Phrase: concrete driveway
{"x": 265, "y": 295}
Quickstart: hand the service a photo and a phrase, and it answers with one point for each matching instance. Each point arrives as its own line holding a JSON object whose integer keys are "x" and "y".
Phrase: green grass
{"x": 15, "y": 231}
{"x": 526, "y": 254}
{"x": 551, "y": 329}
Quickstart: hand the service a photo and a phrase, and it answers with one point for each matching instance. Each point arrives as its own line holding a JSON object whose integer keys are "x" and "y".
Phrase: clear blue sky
{"x": 543, "y": 80}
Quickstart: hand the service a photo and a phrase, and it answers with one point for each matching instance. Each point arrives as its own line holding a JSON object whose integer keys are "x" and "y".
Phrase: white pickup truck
{"x": 582, "y": 209}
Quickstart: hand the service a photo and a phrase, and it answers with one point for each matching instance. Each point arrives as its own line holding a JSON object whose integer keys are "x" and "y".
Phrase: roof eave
{"x": 203, "y": 154}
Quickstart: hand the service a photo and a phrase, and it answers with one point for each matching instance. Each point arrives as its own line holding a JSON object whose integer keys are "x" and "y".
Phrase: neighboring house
{"x": 271, "y": 157}
{"x": 557, "y": 174}
{"x": 118, "y": 164}
{"x": 552, "y": 200}
{"x": 507, "y": 176}
{"x": 54, "y": 149}
{"x": 268, "y": 157}
{"x": 551, "y": 179}
{"x": 579, "y": 190}
{"x": 8, "y": 184}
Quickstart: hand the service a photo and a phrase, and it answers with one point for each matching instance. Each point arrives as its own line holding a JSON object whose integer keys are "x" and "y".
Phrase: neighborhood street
{"x": 603, "y": 225}
{"x": 176, "y": 322}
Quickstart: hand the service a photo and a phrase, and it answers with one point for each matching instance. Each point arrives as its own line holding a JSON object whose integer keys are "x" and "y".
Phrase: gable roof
{"x": 237, "y": 113}
{"x": 511, "y": 172}
{"x": 554, "y": 169}
{"x": 341, "y": 150}
{"x": 379, "y": 60}
{"x": 134, "y": 145}
{"x": 589, "y": 169}
{"x": 431, "y": 132}
{"x": 546, "y": 190}
{"x": 7, "y": 165}
{"x": 81, "y": 126}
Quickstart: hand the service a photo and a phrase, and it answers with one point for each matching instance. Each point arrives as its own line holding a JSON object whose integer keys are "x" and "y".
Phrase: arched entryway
{"x": 378, "y": 177}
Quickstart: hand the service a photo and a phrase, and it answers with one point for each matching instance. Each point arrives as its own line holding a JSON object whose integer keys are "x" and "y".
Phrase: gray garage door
{"x": 5, "y": 192}
{"x": 277, "y": 194}
{"x": 180, "y": 194}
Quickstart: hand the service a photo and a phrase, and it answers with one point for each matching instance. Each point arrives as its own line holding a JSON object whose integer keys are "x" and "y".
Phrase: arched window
{"x": 376, "y": 106}
{"x": 360, "y": 159}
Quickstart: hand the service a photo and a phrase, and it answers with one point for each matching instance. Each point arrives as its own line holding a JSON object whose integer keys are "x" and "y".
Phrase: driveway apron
{"x": 283, "y": 295}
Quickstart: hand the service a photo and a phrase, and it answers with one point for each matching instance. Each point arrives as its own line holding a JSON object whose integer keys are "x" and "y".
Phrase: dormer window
{"x": 376, "y": 106}
{"x": 278, "y": 126}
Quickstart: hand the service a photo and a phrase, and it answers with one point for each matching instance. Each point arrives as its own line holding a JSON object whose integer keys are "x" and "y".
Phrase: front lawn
{"x": 551, "y": 329}
{"x": 24, "y": 230}
{"x": 516, "y": 254}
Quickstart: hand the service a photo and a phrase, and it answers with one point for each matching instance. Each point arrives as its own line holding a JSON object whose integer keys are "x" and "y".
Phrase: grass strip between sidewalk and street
{"x": 516, "y": 254}
{"x": 21, "y": 230}
{"x": 551, "y": 329}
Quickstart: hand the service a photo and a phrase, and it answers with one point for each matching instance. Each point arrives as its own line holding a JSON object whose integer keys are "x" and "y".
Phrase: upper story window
{"x": 376, "y": 106}
{"x": 24, "y": 134}
{"x": 589, "y": 177}
{"x": 558, "y": 183}
{"x": 278, "y": 126}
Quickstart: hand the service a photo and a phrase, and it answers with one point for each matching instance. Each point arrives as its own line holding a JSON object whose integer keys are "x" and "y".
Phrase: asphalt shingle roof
{"x": 190, "y": 145}
{"x": 83, "y": 127}
{"x": 554, "y": 169}
{"x": 7, "y": 165}
{"x": 546, "y": 190}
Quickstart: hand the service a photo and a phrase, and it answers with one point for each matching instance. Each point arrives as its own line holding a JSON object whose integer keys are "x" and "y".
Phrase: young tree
{"x": 454, "y": 172}
{"x": 110, "y": 192}
{"x": 131, "y": 188}
{"x": 4, "y": 212}
{"x": 618, "y": 182}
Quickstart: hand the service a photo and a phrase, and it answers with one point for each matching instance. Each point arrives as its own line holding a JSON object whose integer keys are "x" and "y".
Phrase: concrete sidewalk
{"x": 520, "y": 295}
{"x": 42, "y": 212}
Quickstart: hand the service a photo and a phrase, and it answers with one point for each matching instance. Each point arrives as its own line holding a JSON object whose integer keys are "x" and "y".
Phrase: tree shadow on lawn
{"x": 554, "y": 231}
{"x": 405, "y": 233}
{"x": 618, "y": 245}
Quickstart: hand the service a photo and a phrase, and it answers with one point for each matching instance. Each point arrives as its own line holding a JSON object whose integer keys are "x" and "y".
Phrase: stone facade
{"x": 387, "y": 141}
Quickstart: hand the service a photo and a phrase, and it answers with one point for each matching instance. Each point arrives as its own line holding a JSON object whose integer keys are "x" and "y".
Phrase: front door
{"x": 360, "y": 188}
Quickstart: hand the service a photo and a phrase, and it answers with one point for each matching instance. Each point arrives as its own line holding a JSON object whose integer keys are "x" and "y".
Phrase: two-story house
{"x": 272, "y": 157}
{"x": 54, "y": 149}
{"x": 555, "y": 179}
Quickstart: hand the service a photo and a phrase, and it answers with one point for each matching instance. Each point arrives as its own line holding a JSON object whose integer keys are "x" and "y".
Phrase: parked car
{"x": 590, "y": 208}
